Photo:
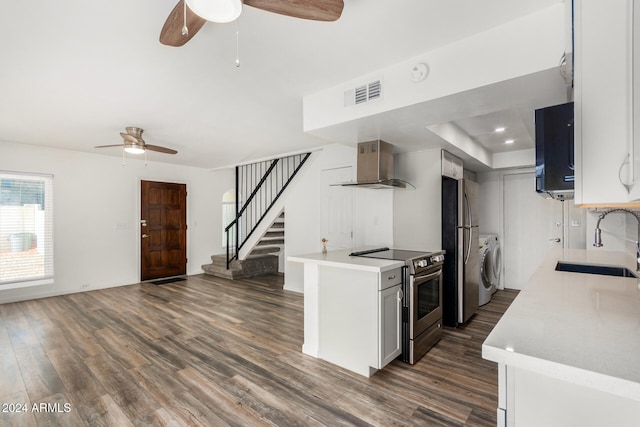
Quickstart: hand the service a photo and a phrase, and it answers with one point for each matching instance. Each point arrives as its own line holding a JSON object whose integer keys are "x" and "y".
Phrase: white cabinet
{"x": 635, "y": 65}
{"x": 390, "y": 340}
{"x": 603, "y": 32}
{"x": 534, "y": 400}
{"x": 359, "y": 318}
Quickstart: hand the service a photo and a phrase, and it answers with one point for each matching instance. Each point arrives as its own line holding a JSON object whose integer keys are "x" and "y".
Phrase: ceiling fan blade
{"x": 160, "y": 149}
{"x": 171, "y": 33}
{"x": 105, "y": 146}
{"x": 316, "y": 10}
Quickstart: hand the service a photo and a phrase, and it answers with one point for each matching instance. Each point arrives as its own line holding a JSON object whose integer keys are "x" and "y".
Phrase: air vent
{"x": 375, "y": 90}
{"x": 362, "y": 94}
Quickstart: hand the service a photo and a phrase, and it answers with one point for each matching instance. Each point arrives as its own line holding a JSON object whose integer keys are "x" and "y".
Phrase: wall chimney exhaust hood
{"x": 375, "y": 167}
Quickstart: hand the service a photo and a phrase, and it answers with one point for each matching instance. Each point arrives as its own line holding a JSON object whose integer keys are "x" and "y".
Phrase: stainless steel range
{"x": 422, "y": 300}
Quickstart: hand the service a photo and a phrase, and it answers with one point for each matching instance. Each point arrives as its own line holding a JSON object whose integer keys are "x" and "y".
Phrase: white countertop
{"x": 340, "y": 258}
{"x": 581, "y": 328}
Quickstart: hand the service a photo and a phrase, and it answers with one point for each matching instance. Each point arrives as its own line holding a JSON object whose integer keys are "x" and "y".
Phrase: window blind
{"x": 26, "y": 228}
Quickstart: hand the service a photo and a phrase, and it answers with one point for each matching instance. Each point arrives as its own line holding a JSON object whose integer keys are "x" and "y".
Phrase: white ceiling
{"x": 75, "y": 73}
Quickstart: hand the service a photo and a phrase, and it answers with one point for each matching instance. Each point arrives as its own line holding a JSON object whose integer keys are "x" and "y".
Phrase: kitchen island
{"x": 352, "y": 309}
{"x": 568, "y": 348}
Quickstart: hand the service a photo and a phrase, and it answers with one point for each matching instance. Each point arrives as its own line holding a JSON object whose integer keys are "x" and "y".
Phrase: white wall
{"x": 490, "y": 209}
{"x": 96, "y": 215}
{"x": 373, "y": 214}
{"x": 619, "y": 223}
{"x": 514, "y": 159}
{"x": 417, "y": 214}
{"x": 372, "y": 211}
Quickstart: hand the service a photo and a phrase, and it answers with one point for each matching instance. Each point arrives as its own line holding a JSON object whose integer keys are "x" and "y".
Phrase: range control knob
{"x": 437, "y": 258}
{"x": 422, "y": 263}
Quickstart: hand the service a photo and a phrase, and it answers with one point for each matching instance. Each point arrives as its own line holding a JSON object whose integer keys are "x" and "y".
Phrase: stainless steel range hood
{"x": 375, "y": 167}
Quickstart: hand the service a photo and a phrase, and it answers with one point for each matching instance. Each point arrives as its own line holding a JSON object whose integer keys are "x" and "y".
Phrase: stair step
{"x": 274, "y": 233}
{"x": 218, "y": 271}
{"x": 263, "y": 250}
{"x": 267, "y": 242}
{"x": 277, "y": 225}
{"x": 221, "y": 260}
{"x": 250, "y": 267}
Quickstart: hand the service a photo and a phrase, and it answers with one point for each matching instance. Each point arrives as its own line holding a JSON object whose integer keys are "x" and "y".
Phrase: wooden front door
{"x": 163, "y": 231}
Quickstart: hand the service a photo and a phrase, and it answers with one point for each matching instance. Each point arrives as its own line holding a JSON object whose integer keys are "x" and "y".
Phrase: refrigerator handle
{"x": 469, "y": 213}
{"x": 469, "y": 245}
{"x": 468, "y": 227}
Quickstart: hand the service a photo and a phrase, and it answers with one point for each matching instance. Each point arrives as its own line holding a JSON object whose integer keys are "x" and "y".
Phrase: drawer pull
{"x": 391, "y": 277}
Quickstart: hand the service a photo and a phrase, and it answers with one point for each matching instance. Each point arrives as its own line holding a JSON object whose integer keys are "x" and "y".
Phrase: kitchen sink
{"x": 606, "y": 270}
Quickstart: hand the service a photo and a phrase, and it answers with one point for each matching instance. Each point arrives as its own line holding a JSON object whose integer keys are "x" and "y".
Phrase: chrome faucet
{"x": 598, "y": 232}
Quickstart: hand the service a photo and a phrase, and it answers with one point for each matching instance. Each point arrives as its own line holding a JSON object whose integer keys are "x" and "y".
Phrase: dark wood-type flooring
{"x": 213, "y": 352}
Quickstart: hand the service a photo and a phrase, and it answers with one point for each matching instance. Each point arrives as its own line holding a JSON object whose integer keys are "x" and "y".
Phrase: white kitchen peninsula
{"x": 352, "y": 309}
{"x": 568, "y": 348}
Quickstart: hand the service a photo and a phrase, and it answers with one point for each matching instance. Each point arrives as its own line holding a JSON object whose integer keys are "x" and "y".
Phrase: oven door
{"x": 425, "y": 301}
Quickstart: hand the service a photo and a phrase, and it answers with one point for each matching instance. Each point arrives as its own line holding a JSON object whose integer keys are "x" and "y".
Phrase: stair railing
{"x": 263, "y": 182}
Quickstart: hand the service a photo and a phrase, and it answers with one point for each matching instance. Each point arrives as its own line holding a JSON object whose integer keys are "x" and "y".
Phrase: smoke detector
{"x": 419, "y": 72}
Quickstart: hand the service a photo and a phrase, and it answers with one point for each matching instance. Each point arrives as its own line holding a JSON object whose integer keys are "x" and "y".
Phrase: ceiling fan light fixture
{"x": 221, "y": 11}
{"x": 134, "y": 149}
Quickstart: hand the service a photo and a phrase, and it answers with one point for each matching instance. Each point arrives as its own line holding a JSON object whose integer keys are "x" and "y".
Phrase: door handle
{"x": 144, "y": 236}
{"x": 557, "y": 240}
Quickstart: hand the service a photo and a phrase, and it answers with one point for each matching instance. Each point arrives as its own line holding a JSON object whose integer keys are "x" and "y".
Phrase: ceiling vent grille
{"x": 362, "y": 94}
{"x": 375, "y": 90}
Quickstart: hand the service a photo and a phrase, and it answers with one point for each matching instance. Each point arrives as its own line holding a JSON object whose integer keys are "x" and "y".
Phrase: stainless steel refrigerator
{"x": 461, "y": 270}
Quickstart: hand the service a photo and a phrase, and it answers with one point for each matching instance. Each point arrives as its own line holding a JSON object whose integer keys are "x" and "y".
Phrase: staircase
{"x": 262, "y": 259}
{"x": 271, "y": 242}
{"x": 255, "y": 238}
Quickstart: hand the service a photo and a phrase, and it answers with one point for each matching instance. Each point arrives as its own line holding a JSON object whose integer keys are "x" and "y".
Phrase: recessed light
{"x": 499, "y": 129}
{"x": 509, "y": 141}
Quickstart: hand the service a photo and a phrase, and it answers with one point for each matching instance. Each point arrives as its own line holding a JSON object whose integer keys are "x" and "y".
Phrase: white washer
{"x": 490, "y": 267}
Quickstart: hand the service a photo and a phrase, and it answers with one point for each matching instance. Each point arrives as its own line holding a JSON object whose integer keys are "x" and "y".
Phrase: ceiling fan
{"x": 134, "y": 144}
{"x": 185, "y": 20}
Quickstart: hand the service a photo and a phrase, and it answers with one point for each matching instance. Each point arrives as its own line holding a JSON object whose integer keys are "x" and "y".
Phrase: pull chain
{"x": 238, "y": 42}
{"x": 185, "y": 30}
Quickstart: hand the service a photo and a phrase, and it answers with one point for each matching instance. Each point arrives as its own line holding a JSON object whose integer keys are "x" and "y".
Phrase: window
{"x": 26, "y": 229}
